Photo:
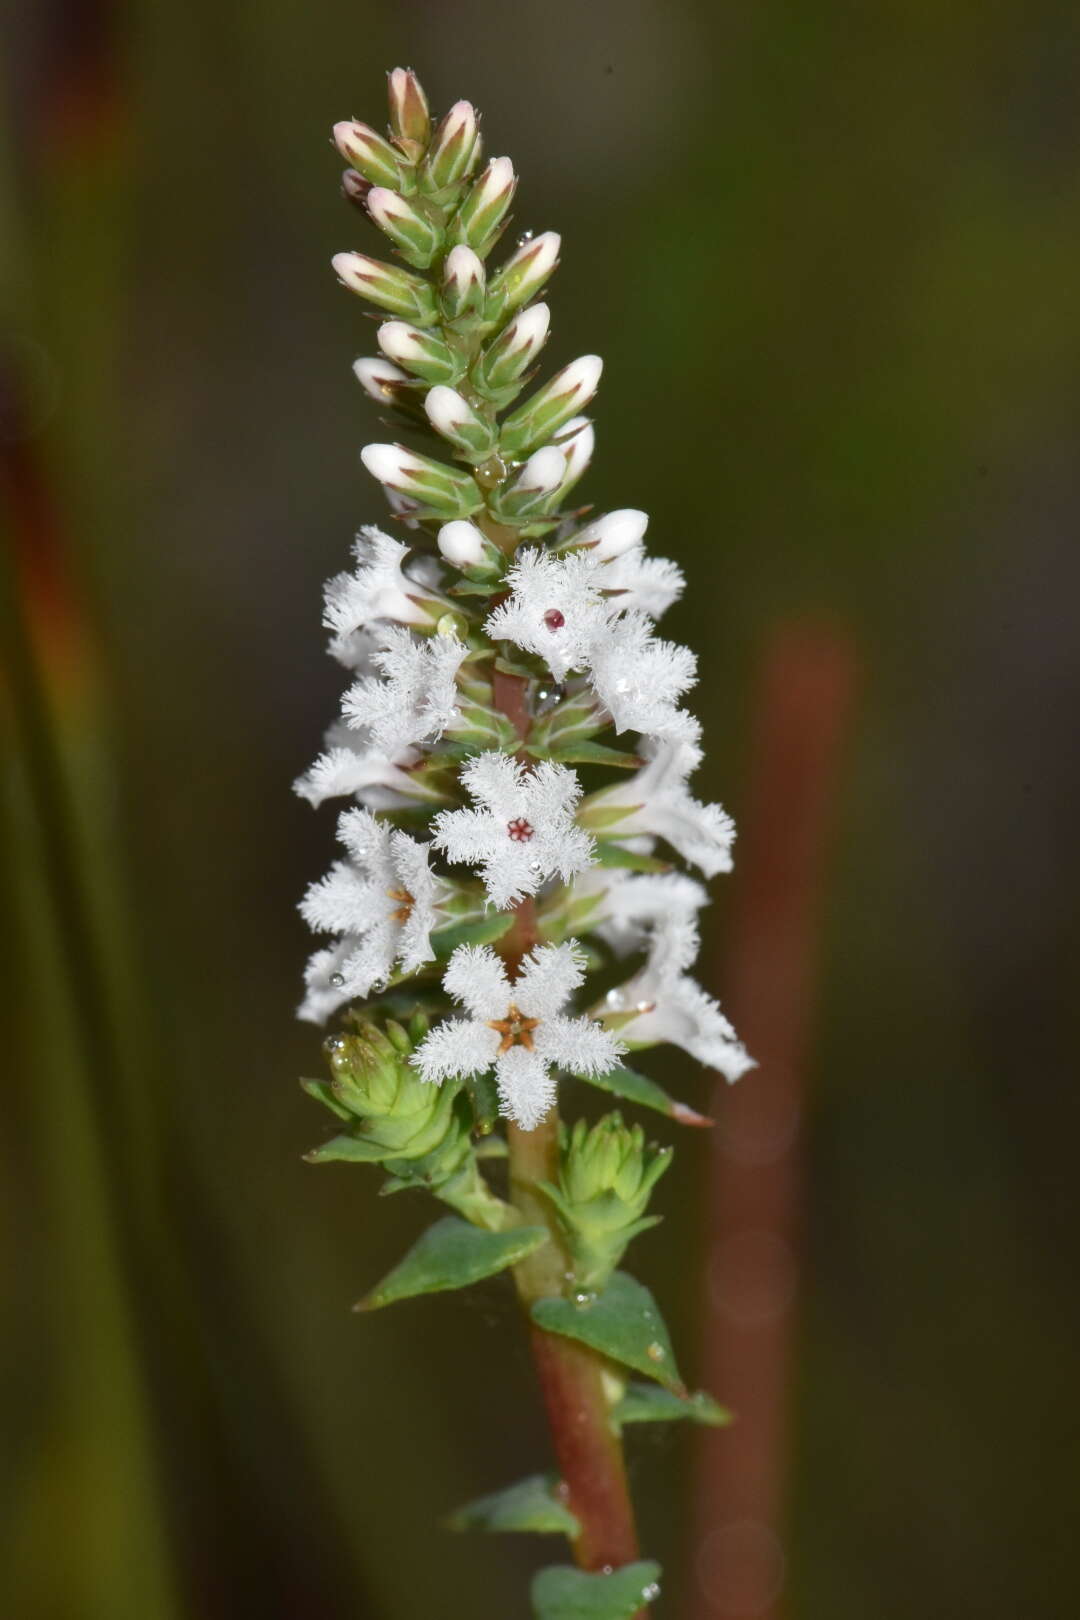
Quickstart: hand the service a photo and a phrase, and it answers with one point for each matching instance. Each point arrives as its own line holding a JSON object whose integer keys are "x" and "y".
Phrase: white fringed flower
{"x": 663, "y": 1004}
{"x": 347, "y": 769}
{"x": 377, "y": 589}
{"x": 648, "y": 583}
{"x": 415, "y": 700}
{"x": 520, "y": 1028}
{"x": 524, "y": 831}
{"x": 554, "y": 609}
{"x": 638, "y": 678}
{"x": 383, "y": 902}
{"x": 656, "y": 802}
{"x": 629, "y": 905}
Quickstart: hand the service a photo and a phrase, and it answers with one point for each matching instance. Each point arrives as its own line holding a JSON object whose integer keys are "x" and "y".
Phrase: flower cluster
{"x": 504, "y": 644}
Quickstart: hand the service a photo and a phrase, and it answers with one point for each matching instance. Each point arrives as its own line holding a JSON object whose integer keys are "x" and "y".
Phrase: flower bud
{"x": 613, "y": 533}
{"x": 502, "y": 365}
{"x": 462, "y": 294}
{"x": 606, "y": 1176}
{"x": 450, "y": 152}
{"x": 577, "y": 440}
{"x": 373, "y": 1079}
{"x": 354, "y": 188}
{"x": 522, "y": 276}
{"x": 423, "y": 353}
{"x": 379, "y": 378}
{"x": 388, "y": 286}
{"x": 412, "y": 233}
{"x": 469, "y": 549}
{"x": 439, "y": 490}
{"x": 480, "y": 217}
{"x": 453, "y": 417}
{"x": 409, "y": 116}
{"x": 540, "y": 477}
{"x": 368, "y": 153}
{"x": 559, "y": 400}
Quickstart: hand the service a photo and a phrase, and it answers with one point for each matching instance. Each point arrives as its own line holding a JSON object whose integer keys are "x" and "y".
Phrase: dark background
{"x": 831, "y": 255}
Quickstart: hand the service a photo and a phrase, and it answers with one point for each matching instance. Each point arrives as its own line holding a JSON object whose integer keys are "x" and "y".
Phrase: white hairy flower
{"x": 382, "y": 901}
{"x": 650, "y": 584}
{"x": 638, "y": 678}
{"x": 377, "y": 589}
{"x": 524, "y": 830}
{"x": 660, "y": 1003}
{"x": 416, "y": 699}
{"x": 348, "y": 769}
{"x": 629, "y": 905}
{"x": 554, "y": 609}
{"x": 656, "y": 802}
{"x": 518, "y": 1027}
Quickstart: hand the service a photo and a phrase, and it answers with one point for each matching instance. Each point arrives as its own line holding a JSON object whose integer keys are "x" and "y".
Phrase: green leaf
{"x": 531, "y": 1504}
{"x": 638, "y": 1088}
{"x": 452, "y": 1254}
{"x": 323, "y": 1092}
{"x": 484, "y": 1095}
{"x": 565, "y": 1593}
{"x": 594, "y": 753}
{"x": 348, "y": 1149}
{"x": 623, "y": 1322}
{"x": 484, "y": 931}
{"x": 492, "y": 1147}
{"x": 614, "y": 855}
{"x": 648, "y": 1403}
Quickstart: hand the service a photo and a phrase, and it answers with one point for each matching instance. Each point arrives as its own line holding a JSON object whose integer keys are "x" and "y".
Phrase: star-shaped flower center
{"x": 405, "y": 904}
{"x": 520, "y": 830}
{"x": 515, "y": 1029}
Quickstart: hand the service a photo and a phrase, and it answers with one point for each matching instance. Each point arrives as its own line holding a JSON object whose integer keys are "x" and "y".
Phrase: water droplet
{"x": 547, "y": 698}
{"x": 650, "y": 1593}
{"x": 337, "y": 980}
{"x": 655, "y": 1352}
{"x": 644, "y": 1006}
{"x": 583, "y": 1297}
{"x": 614, "y": 998}
{"x": 608, "y": 1569}
{"x": 525, "y": 238}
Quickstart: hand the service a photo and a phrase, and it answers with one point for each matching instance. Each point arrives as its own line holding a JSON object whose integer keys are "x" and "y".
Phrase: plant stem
{"x": 587, "y": 1447}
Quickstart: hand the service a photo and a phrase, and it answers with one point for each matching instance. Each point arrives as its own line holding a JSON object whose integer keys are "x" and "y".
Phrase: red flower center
{"x": 520, "y": 830}
{"x": 554, "y": 619}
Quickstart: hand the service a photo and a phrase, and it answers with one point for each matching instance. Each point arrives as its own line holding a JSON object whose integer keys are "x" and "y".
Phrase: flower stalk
{"x": 503, "y": 658}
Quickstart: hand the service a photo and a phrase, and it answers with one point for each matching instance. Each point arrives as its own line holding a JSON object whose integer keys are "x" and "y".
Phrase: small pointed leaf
{"x": 622, "y": 1322}
{"x": 638, "y": 1088}
{"x": 594, "y": 753}
{"x": 452, "y": 1254}
{"x": 482, "y": 931}
{"x": 564, "y": 1593}
{"x": 614, "y": 855}
{"x": 531, "y": 1504}
{"x": 648, "y": 1403}
{"x": 323, "y": 1091}
{"x": 350, "y": 1149}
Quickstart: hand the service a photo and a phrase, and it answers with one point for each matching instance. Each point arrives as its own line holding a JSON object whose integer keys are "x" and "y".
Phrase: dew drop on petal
{"x": 525, "y": 238}
{"x": 337, "y": 980}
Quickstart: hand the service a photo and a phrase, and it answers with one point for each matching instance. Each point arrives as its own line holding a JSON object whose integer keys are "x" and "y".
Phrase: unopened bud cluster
{"x": 606, "y": 1176}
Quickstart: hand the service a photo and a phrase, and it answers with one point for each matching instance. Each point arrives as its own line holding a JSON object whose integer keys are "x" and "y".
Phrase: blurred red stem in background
{"x": 802, "y": 715}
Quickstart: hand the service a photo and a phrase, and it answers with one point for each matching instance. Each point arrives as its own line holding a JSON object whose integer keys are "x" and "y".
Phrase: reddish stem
{"x": 587, "y": 1447}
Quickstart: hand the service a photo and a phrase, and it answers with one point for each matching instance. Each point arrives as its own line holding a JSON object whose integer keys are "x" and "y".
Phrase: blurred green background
{"x": 831, "y": 255}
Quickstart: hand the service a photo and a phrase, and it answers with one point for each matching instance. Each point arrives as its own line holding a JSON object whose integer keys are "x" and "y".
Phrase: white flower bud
{"x": 399, "y": 341}
{"x": 576, "y": 440}
{"x": 461, "y": 543}
{"x": 614, "y": 533}
{"x": 376, "y": 377}
{"x": 389, "y": 463}
{"x": 543, "y": 472}
{"x": 447, "y": 412}
{"x": 524, "y": 273}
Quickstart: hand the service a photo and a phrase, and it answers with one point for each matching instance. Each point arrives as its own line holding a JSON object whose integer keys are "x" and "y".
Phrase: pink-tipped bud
{"x": 523, "y": 274}
{"x": 480, "y": 217}
{"x": 368, "y": 153}
{"x": 462, "y": 544}
{"x": 448, "y": 158}
{"x": 409, "y": 116}
{"x": 463, "y": 284}
{"x": 614, "y": 533}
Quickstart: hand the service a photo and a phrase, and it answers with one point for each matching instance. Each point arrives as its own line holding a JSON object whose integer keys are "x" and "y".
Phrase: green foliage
{"x": 452, "y": 1254}
{"x": 638, "y": 1088}
{"x": 565, "y": 1593}
{"x": 649, "y": 1403}
{"x": 622, "y": 1322}
{"x": 532, "y": 1504}
{"x": 606, "y": 1174}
